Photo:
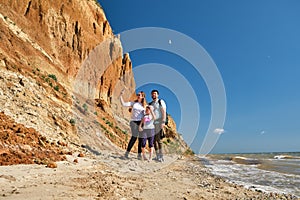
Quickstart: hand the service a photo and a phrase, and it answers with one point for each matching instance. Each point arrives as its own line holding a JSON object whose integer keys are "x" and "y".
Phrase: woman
{"x": 148, "y": 130}
{"x": 137, "y": 113}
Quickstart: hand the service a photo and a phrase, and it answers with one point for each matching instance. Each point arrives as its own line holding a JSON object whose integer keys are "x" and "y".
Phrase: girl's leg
{"x": 150, "y": 143}
{"x": 143, "y": 141}
{"x": 151, "y": 153}
{"x": 144, "y": 153}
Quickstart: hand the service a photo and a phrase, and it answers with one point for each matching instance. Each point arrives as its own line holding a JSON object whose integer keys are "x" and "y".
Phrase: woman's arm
{"x": 141, "y": 125}
{"x": 126, "y": 104}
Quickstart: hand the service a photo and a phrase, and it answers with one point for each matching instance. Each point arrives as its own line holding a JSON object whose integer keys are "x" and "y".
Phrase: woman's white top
{"x": 137, "y": 112}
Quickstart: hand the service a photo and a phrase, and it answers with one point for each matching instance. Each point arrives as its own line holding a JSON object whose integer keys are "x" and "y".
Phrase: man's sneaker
{"x": 158, "y": 158}
{"x": 161, "y": 159}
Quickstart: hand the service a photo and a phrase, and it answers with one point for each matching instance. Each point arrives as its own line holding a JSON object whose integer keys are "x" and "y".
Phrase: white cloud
{"x": 262, "y": 132}
{"x": 219, "y": 131}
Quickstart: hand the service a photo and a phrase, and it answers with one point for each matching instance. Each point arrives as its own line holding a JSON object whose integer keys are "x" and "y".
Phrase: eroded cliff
{"x": 62, "y": 70}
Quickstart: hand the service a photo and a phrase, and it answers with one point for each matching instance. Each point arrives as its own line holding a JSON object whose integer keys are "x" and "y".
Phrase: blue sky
{"x": 256, "y": 48}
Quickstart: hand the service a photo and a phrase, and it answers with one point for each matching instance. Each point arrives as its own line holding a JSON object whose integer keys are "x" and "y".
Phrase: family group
{"x": 147, "y": 124}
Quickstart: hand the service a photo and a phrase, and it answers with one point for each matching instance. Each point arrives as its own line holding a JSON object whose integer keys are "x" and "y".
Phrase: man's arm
{"x": 163, "y": 114}
{"x": 163, "y": 109}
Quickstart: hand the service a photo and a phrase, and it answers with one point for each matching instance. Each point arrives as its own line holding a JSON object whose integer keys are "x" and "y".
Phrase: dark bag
{"x": 162, "y": 134}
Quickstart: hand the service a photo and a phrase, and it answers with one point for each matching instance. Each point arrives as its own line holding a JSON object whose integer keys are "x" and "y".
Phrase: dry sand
{"x": 107, "y": 176}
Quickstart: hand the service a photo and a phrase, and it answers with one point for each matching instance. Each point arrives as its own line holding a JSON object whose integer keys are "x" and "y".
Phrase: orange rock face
{"x": 44, "y": 48}
{"x": 60, "y": 33}
{"x": 61, "y": 73}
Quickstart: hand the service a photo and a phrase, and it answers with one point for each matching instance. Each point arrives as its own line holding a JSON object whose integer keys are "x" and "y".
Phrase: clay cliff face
{"x": 44, "y": 44}
{"x": 57, "y": 37}
{"x": 61, "y": 73}
{"x": 61, "y": 32}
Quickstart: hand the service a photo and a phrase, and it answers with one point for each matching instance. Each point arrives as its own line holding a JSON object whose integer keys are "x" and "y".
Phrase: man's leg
{"x": 155, "y": 142}
{"x": 158, "y": 143}
{"x": 160, "y": 151}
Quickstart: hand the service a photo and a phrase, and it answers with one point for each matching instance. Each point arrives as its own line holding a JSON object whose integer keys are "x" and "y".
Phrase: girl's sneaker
{"x": 144, "y": 158}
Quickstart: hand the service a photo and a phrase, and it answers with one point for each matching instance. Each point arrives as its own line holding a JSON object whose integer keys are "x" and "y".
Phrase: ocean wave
{"x": 246, "y": 161}
{"x": 268, "y": 179}
{"x": 286, "y": 157}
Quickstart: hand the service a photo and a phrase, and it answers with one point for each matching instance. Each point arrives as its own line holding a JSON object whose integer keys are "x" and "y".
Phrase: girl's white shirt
{"x": 148, "y": 122}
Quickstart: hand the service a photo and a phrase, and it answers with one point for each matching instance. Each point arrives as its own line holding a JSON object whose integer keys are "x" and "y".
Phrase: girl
{"x": 148, "y": 131}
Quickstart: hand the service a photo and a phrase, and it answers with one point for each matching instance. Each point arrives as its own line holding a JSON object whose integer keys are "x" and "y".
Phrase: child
{"x": 148, "y": 131}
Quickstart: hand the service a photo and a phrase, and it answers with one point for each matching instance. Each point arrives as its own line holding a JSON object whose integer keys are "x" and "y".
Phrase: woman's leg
{"x": 134, "y": 136}
{"x": 140, "y": 145}
{"x": 130, "y": 145}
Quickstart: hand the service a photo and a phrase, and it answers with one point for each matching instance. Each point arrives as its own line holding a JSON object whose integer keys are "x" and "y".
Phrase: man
{"x": 159, "y": 108}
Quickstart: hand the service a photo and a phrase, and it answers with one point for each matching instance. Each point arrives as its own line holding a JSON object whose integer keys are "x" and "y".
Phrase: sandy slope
{"x": 107, "y": 176}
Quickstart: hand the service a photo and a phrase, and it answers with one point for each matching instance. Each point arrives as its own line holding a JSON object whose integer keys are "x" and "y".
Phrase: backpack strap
{"x": 159, "y": 102}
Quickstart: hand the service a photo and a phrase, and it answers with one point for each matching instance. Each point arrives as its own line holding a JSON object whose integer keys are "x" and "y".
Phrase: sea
{"x": 266, "y": 172}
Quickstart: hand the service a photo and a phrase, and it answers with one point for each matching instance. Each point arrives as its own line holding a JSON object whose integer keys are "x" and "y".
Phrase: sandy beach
{"x": 107, "y": 176}
{"x": 63, "y": 129}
